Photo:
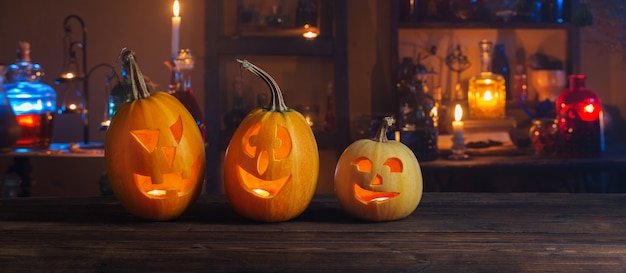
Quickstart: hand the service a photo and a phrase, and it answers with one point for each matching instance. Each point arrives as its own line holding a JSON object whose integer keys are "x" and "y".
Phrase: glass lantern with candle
{"x": 580, "y": 127}
{"x": 32, "y": 102}
{"x": 486, "y": 96}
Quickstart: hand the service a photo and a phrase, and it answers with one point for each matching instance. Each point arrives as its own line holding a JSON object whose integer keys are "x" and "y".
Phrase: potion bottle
{"x": 417, "y": 117}
{"x": 236, "y": 114}
{"x": 579, "y": 121}
{"x": 32, "y": 102}
{"x": 9, "y": 130}
{"x": 183, "y": 66}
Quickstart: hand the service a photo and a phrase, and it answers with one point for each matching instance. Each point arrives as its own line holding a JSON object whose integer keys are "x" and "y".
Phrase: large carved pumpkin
{"x": 377, "y": 179}
{"x": 154, "y": 152}
{"x": 271, "y": 163}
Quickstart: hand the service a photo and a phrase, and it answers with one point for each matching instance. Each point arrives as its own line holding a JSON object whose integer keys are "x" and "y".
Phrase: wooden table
{"x": 529, "y": 173}
{"x": 449, "y": 232}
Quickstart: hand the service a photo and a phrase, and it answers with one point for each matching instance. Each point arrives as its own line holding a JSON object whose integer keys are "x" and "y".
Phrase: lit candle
{"x": 175, "y": 28}
{"x": 457, "y": 126}
{"x": 487, "y": 100}
{"x": 157, "y": 193}
{"x": 458, "y": 142}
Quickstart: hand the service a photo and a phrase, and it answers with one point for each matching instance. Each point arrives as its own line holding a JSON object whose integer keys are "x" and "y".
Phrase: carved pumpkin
{"x": 154, "y": 152}
{"x": 271, "y": 163}
{"x": 377, "y": 179}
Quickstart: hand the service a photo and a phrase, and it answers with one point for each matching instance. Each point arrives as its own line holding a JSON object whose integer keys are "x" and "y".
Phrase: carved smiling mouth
{"x": 367, "y": 196}
{"x": 260, "y": 187}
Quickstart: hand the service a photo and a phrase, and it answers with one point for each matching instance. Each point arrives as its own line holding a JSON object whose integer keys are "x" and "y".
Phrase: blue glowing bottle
{"x": 32, "y": 102}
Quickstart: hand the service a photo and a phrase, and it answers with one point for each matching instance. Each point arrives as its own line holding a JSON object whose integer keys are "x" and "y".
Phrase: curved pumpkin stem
{"x": 136, "y": 77}
{"x": 381, "y": 134}
{"x": 277, "y": 103}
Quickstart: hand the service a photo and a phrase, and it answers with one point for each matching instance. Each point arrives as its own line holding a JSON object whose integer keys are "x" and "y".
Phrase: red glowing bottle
{"x": 580, "y": 126}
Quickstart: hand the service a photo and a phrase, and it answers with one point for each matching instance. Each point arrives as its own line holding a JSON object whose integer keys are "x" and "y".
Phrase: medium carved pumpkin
{"x": 377, "y": 179}
{"x": 154, "y": 152}
{"x": 271, "y": 163}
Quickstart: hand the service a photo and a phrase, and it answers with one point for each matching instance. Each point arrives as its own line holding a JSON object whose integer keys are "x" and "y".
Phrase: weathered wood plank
{"x": 448, "y": 232}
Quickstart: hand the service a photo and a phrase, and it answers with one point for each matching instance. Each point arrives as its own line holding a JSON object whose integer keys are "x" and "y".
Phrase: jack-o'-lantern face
{"x": 155, "y": 157}
{"x": 378, "y": 180}
{"x": 165, "y": 170}
{"x": 265, "y": 164}
{"x": 368, "y": 189}
{"x": 272, "y": 162}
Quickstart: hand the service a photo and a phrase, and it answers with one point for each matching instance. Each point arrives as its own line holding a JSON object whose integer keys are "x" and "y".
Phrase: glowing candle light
{"x": 261, "y": 192}
{"x": 175, "y": 28}
{"x": 458, "y": 141}
{"x": 457, "y": 125}
{"x": 157, "y": 193}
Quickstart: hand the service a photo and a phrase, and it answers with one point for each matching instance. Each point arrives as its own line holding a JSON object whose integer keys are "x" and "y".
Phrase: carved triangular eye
{"x": 394, "y": 164}
{"x": 177, "y": 130}
{"x": 147, "y": 138}
{"x": 363, "y": 164}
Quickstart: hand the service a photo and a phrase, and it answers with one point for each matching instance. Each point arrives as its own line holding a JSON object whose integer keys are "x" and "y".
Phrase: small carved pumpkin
{"x": 377, "y": 179}
{"x": 271, "y": 163}
{"x": 154, "y": 152}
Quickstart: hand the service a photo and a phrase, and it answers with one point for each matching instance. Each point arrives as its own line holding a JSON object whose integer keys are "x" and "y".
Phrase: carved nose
{"x": 377, "y": 181}
{"x": 262, "y": 162}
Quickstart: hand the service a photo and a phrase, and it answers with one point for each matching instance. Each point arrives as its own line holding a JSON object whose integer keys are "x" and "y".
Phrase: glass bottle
{"x": 9, "y": 129}
{"x": 276, "y": 19}
{"x": 183, "y": 66}
{"x": 520, "y": 84}
{"x": 121, "y": 92}
{"x": 486, "y": 96}
{"x": 500, "y": 65}
{"x": 580, "y": 127}
{"x": 542, "y": 136}
{"x": 236, "y": 114}
{"x": 32, "y": 102}
{"x": 306, "y": 13}
{"x": 417, "y": 119}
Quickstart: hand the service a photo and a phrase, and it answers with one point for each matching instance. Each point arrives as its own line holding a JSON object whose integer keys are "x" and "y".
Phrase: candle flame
{"x": 488, "y": 96}
{"x": 156, "y": 192}
{"x": 309, "y": 32}
{"x": 261, "y": 192}
{"x": 458, "y": 112}
{"x": 589, "y": 108}
{"x": 176, "y": 8}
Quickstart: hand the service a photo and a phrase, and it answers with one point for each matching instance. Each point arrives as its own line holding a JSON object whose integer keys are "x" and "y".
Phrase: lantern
{"x": 486, "y": 96}
{"x": 271, "y": 163}
{"x": 377, "y": 179}
{"x": 154, "y": 152}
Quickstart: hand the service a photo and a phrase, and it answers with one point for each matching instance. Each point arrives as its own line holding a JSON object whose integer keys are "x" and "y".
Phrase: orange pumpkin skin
{"x": 378, "y": 180}
{"x": 153, "y": 143}
{"x": 271, "y": 165}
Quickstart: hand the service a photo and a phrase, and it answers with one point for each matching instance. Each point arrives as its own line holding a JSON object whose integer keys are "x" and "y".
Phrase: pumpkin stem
{"x": 135, "y": 75}
{"x": 381, "y": 135}
{"x": 277, "y": 103}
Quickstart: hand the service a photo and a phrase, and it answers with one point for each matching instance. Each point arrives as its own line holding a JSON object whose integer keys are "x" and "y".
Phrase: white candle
{"x": 175, "y": 28}
{"x": 457, "y": 126}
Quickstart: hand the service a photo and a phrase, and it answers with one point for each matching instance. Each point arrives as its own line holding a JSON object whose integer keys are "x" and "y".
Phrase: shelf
{"x": 223, "y": 40}
{"x": 482, "y": 25}
{"x": 288, "y": 46}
